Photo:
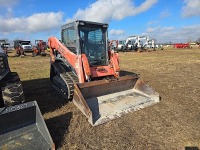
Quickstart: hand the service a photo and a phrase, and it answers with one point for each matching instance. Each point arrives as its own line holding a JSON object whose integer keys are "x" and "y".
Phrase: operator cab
{"x": 89, "y": 38}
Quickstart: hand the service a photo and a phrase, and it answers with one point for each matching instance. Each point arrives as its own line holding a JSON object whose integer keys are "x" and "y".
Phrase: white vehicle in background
{"x": 26, "y": 45}
{"x": 137, "y": 42}
{"x": 132, "y": 42}
{"x": 142, "y": 42}
{"x": 151, "y": 44}
{"x": 121, "y": 45}
{"x": 4, "y": 44}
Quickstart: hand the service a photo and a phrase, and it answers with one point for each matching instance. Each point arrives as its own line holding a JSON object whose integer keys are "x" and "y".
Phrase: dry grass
{"x": 174, "y": 123}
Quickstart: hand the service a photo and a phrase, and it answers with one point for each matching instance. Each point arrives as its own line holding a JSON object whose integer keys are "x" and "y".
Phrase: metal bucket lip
{"x": 105, "y": 81}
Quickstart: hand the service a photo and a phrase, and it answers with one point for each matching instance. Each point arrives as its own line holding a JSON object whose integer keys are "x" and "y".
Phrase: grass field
{"x": 174, "y": 123}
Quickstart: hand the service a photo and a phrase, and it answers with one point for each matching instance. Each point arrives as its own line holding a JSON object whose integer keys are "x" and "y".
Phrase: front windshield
{"x": 93, "y": 44}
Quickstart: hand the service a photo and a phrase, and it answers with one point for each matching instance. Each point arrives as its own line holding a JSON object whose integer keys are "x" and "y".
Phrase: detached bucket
{"x": 22, "y": 127}
{"x": 101, "y": 101}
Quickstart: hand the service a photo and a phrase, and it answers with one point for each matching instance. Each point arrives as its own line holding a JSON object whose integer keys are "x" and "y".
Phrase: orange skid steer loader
{"x": 84, "y": 70}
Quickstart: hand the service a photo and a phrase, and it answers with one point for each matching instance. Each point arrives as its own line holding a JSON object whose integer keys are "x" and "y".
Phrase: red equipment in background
{"x": 39, "y": 48}
{"x": 181, "y": 45}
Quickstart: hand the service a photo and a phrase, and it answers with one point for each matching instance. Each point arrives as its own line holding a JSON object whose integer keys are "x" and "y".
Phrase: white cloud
{"x": 152, "y": 29}
{"x": 167, "y": 34}
{"x": 107, "y": 10}
{"x": 165, "y": 29}
{"x": 192, "y": 8}
{"x": 32, "y": 24}
{"x": 163, "y": 14}
{"x": 116, "y": 32}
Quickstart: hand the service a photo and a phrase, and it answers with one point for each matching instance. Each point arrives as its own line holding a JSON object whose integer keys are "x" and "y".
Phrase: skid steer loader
{"x": 21, "y": 124}
{"x": 84, "y": 70}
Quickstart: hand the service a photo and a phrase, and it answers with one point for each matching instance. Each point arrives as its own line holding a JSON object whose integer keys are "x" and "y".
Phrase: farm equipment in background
{"x": 21, "y": 124}
{"x": 182, "y": 45}
{"x": 22, "y": 46}
{"x": 151, "y": 44}
{"x": 82, "y": 69}
{"x": 39, "y": 48}
{"x": 117, "y": 46}
{"x": 26, "y": 46}
{"x": 137, "y": 43}
{"x": 4, "y": 45}
{"x": 131, "y": 43}
{"x": 121, "y": 46}
{"x": 142, "y": 43}
{"x": 113, "y": 45}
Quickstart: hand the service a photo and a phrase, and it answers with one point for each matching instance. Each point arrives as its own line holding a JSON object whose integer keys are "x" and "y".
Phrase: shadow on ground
{"x": 191, "y": 148}
{"x": 47, "y": 97}
{"x": 49, "y": 100}
{"x": 58, "y": 127}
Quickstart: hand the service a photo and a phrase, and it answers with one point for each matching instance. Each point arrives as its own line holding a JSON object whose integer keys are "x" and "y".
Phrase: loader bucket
{"x": 101, "y": 101}
{"x": 22, "y": 127}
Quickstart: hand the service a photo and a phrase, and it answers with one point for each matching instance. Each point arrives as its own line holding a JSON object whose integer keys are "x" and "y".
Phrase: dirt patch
{"x": 174, "y": 123}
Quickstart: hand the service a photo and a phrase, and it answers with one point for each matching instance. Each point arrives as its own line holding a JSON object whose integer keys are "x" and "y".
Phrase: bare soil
{"x": 174, "y": 123}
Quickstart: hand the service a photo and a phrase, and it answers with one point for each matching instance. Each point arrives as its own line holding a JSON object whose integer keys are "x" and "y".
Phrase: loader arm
{"x": 55, "y": 44}
{"x": 73, "y": 60}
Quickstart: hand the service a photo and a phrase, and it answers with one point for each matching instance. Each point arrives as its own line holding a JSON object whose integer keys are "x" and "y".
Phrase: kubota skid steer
{"x": 84, "y": 70}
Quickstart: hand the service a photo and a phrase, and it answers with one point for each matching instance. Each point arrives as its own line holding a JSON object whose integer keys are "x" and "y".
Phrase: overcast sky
{"x": 163, "y": 20}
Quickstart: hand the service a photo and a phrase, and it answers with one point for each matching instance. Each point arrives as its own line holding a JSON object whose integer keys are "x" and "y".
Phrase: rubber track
{"x": 68, "y": 77}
